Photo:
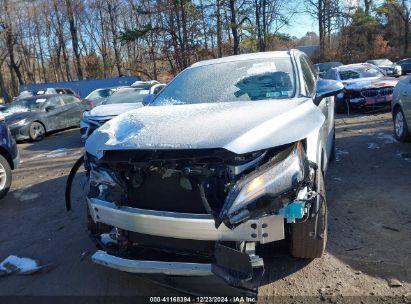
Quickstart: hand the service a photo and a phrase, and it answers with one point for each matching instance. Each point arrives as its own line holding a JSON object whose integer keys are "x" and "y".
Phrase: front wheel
{"x": 309, "y": 238}
{"x": 36, "y": 131}
{"x": 401, "y": 131}
{"x": 5, "y": 176}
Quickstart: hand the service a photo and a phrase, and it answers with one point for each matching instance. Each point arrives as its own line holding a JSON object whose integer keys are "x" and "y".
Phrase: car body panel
{"x": 402, "y": 98}
{"x": 8, "y": 147}
{"x": 405, "y": 65}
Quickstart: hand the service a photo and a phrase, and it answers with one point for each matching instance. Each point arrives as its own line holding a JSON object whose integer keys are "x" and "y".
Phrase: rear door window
{"x": 55, "y": 102}
{"x": 69, "y": 99}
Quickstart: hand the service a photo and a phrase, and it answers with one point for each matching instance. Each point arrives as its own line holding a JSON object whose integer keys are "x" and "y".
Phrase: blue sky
{"x": 300, "y": 25}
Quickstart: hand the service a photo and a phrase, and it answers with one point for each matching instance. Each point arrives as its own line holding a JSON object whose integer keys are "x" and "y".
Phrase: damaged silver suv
{"x": 230, "y": 155}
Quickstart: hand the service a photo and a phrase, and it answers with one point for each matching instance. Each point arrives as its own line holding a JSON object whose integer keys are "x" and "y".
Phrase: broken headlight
{"x": 106, "y": 185}
{"x": 276, "y": 177}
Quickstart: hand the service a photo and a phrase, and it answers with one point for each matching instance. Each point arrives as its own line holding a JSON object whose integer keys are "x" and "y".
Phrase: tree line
{"x": 63, "y": 40}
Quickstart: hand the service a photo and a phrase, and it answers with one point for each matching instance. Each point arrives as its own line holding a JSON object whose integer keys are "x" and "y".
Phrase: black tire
{"x": 302, "y": 242}
{"x": 36, "y": 131}
{"x": 401, "y": 130}
{"x": 5, "y": 176}
{"x": 340, "y": 105}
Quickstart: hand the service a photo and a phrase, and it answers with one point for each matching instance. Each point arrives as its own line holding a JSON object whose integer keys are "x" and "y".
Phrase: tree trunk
{"x": 321, "y": 27}
{"x": 3, "y": 90}
{"x": 10, "y": 41}
{"x": 219, "y": 30}
{"x": 74, "y": 38}
{"x": 234, "y": 28}
{"x": 406, "y": 33}
{"x": 114, "y": 33}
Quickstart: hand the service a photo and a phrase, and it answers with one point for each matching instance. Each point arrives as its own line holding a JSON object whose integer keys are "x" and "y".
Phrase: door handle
{"x": 405, "y": 93}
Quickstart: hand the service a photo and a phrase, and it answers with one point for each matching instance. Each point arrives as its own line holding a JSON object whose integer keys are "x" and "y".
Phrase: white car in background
{"x": 401, "y": 110}
{"x": 122, "y": 100}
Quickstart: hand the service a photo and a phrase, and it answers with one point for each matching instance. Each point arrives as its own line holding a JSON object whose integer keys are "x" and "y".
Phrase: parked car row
{"x": 33, "y": 114}
{"x": 365, "y": 85}
{"x": 369, "y": 84}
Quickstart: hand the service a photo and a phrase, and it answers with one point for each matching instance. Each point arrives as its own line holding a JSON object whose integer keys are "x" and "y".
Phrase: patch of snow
{"x": 23, "y": 194}
{"x": 404, "y": 156}
{"x": 339, "y": 154}
{"x": 106, "y": 239}
{"x": 55, "y": 153}
{"x": 19, "y": 265}
{"x": 388, "y": 138}
{"x": 373, "y": 146}
{"x": 13, "y": 110}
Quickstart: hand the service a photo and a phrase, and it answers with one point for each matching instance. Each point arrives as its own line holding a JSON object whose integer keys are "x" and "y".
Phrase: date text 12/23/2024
{"x": 199, "y": 299}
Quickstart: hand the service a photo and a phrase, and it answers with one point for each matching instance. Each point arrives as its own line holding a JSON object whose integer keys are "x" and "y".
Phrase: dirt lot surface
{"x": 369, "y": 201}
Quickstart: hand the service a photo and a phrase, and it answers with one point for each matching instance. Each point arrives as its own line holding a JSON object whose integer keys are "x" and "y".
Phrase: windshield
{"x": 381, "y": 62}
{"x": 247, "y": 80}
{"x": 324, "y": 67}
{"x": 101, "y": 93}
{"x": 127, "y": 96}
{"x": 31, "y": 104}
{"x": 360, "y": 72}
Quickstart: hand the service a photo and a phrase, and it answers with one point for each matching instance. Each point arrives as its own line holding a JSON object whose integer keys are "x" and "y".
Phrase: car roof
{"x": 329, "y": 62}
{"x": 129, "y": 89}
{"x": 46, "y": 96}
{"x": 112, "y": 88}
{"x": 245, "y": 57}
{"x": 377, "y": 59}
{"x": 353, "y": 66}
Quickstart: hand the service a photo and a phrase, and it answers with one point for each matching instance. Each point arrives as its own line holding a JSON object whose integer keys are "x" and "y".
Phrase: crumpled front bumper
{"x": 242, "y": 269}
{"x": 184, "y": 225}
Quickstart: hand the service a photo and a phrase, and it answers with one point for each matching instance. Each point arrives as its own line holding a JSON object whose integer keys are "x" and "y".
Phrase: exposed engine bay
{"x": 205, "y": 207}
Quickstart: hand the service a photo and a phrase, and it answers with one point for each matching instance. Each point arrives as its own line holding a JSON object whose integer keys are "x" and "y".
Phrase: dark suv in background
{"x": 9, "y": 157}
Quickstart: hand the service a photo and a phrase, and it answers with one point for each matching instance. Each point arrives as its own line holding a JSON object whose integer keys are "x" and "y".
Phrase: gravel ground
{"x": 369, "y": 248}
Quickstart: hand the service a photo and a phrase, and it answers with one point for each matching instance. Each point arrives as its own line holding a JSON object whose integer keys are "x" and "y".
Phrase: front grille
{"x": 377, "y": 92}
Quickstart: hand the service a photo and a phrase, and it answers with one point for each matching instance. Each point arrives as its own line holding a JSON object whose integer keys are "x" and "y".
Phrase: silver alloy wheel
{"x": 399, "y": 123}
{"x": 38, "y": 130}
{"x": 3, "y": 177}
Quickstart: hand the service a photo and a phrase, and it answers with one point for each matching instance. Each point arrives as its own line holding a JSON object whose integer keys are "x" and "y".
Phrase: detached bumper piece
{"x": 243, "y": 270}
{"x": 151, "y": 267}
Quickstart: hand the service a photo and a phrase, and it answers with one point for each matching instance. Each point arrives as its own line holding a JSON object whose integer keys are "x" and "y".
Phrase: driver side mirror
{"x": 326, "y": 88}
{"x": 148, "y": 99}
{"x": 50, "y": 108}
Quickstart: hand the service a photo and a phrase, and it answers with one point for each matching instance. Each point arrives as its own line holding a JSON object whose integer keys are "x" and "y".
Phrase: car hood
{"x": 369, "y": 83}
{"x": 387, "y": 66}
{"x": 114, "y": 109}
{"x": 239, "y": 127}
